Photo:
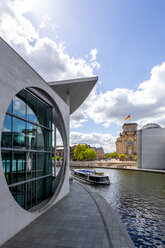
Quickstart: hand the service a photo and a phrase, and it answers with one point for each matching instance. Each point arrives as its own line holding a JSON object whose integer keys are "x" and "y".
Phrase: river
{"x": 139, "y": 200}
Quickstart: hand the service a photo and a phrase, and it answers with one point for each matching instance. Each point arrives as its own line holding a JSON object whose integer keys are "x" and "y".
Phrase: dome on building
{"x": 150, "y": 125}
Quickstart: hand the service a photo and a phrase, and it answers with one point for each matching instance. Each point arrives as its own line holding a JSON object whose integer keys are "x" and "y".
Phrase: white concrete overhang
{"x": 78, "y": 90}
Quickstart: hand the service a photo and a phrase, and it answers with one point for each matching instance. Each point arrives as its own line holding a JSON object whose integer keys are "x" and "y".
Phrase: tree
{"x": 112, "y": 155}
{"x": 135, "y": 158}
{"x": 90, "y": 154}
{"x": 122, "y": 156}
{"x": 82, "y": 152}
{"x": 79, "y": 151}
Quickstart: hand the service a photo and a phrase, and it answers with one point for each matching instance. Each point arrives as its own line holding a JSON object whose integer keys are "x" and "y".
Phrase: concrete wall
{"x": 16, "y": 74}
{"x": 151, "y": 148}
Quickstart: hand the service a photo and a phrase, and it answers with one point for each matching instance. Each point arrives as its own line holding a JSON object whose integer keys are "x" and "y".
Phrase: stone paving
{"x": 81, "y": 220}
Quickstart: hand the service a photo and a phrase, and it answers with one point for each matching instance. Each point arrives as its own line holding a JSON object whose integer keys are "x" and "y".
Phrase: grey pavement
{"x": 82, "y": 219}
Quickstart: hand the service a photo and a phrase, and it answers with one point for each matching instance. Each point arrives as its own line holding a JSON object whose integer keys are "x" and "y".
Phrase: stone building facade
{"x": 127, "y": 142}
{"x": 99, "y": 152}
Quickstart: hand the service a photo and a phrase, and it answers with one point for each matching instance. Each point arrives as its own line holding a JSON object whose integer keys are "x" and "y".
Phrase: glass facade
{"x": 27, "y": 149}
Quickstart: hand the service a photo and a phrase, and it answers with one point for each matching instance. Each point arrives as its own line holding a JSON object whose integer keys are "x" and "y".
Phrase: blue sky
{"x": 121, "y": 41}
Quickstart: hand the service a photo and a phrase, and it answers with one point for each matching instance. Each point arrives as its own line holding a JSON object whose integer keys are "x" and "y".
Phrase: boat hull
{"x": 88, "y": 178}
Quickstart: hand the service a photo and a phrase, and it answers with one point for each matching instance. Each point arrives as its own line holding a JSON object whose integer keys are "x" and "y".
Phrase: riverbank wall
{"x": 120, "y": 165}
{"x": 105, "y": 164}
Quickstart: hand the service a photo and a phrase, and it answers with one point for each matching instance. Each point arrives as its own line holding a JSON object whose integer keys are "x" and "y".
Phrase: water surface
{"x": 139, "y": 200}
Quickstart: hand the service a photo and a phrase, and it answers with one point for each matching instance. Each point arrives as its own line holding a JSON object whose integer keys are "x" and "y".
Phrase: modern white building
{"x": 151, "y": 147}
{"x": 30, "y": 109}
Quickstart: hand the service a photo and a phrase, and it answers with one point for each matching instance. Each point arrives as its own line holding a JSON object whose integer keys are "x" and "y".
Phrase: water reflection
{"x": 139, "y": 199}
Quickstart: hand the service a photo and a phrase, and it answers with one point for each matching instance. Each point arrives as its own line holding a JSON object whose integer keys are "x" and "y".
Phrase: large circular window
{"x": 27, "y": 149}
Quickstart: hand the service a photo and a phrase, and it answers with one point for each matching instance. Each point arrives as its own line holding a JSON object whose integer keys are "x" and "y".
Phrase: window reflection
{"x": 40, "y": 138}
{"x": 31, "y": 165}
{"x": 31, "y": 107}
{"x": 6, "y": 163}
{"x": 19, "y": 167}
{"x": 41, "y": 113}
{"x": 40, "y": 166}
{"x": 7, "y": 132}
{"x": 31, "y": 134}
{"x": 19, "y": 131}
{"x": 19, "y": 106}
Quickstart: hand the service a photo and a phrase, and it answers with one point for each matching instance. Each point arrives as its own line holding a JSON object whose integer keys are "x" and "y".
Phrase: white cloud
{"x": 146, "y": 104}
{"x": 93, "y": 54}
{"x": 14, "y": 27}
{"x": 107, "y": 141}
{"x": 48, "y": 57}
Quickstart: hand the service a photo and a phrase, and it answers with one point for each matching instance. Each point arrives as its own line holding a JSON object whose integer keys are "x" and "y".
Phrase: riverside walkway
{"x": 82, "y": 219}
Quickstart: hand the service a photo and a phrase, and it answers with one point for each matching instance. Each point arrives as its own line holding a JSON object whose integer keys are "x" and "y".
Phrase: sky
{"x": 120, "y": 41}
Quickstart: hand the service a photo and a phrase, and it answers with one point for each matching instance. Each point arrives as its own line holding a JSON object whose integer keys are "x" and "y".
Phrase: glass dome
{"x": 150, "y": 125}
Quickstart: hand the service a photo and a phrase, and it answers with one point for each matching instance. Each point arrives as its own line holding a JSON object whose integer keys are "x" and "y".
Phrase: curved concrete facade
{"x": 151, "y": 148}
{"x": 15, "y": 75}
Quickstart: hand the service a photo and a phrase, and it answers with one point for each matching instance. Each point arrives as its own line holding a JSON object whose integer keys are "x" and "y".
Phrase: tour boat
{"x": 91, "y": 176}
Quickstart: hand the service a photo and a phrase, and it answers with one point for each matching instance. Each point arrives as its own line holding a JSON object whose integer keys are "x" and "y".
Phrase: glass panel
{"x": 49, "y": 117}
{"x": 40, "y": 164}
{"x": 40, "y": 190}
{"x": 40, "y": 138}
{"x": 31, "y": 134}
{"x": 33, "y": 193}
{"x": 28, "y": 195}
{"x": 19, "y": 104}
{"x": 19, "y": 167}
{"x": 18, "y": 133}
{"x": 48, "y": 169}
{"x": 41, "y": 112}
{"x": 31, "y": 165}
{"x": 48, "y": 187}
{"x": 7, "y": 132}
{"x": 31, "y": 107}
{"x": 21, "y": 195}
{"x": 6, "y": 163}
{"x": 48, "y": 141}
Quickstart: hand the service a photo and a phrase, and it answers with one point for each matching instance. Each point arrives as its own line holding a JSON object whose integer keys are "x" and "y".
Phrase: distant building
{"x": 127, "y": 142}
{"x": 72, "y": 152}
{"x": 60, "y": 151}
{"x": 151, "y": 147}
{"x": 99, "y": 152}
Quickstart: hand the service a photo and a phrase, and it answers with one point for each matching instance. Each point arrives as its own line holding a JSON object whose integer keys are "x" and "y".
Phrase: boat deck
{"x": 82, "y": 219}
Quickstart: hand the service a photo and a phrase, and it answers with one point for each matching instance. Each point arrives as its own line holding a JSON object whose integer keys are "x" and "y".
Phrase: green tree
{"x": 82, "y": 152}
{"x": 135, "y": 158}
{"x": 79, "y": 151}
{"x": 112, "y": 155}
{"x": 90, "y": 154}
{"x": 122, "y": 156}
